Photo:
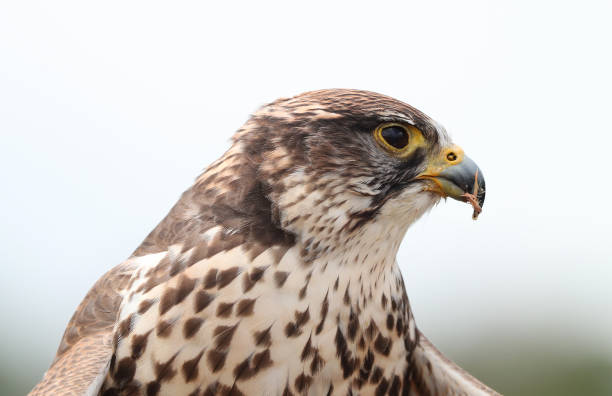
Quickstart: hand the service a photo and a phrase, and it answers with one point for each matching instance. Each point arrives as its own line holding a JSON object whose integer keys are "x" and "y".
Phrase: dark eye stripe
{"x": 395, "y": 136}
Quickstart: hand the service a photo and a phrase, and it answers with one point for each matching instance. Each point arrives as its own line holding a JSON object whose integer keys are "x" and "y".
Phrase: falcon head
{"x": 345, "y": 166}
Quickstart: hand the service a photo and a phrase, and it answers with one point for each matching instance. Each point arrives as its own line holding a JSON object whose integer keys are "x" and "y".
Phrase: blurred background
{"x": 109, "y": 110}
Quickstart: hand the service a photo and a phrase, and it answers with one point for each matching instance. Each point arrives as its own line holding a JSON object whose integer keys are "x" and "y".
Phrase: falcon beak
{"x": 453, "y": 174}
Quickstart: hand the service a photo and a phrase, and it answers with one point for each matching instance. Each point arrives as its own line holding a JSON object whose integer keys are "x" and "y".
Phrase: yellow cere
{"x": 450, "y": 156}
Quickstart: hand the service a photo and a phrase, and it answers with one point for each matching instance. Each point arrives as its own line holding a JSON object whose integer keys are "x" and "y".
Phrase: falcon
{"x": 275, "y": 273}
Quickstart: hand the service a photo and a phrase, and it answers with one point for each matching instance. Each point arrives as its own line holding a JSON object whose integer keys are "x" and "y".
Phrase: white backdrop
{"x": 108, "y": 112}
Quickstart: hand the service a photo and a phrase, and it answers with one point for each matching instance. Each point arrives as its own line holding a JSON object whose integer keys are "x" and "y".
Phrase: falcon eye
{"x": 396, "y": 136}
{"x": 393, "y": 137}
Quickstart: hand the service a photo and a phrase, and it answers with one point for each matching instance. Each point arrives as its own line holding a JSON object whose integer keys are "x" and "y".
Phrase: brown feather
{"x": 86, "y": 347}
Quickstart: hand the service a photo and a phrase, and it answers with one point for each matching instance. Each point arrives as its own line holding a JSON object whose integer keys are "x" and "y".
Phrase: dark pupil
{"x": 396, "y": 136}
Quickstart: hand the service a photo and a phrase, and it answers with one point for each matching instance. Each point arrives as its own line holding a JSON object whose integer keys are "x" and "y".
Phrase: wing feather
{"x": 85, "y": 351}
{"x": 435, "y": 374}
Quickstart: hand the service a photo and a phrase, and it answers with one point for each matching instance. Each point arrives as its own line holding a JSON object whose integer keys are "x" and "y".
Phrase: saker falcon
{"x": 276, "y": 272}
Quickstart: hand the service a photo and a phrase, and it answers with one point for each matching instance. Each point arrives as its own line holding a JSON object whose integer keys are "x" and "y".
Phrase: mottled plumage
{"x": 275, "y": 272}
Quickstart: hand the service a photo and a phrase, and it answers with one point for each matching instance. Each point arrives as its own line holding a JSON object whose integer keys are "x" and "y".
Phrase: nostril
{"x": 451, "y": 156}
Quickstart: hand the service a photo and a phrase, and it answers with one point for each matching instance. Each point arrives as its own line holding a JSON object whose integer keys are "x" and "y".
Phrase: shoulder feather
{"x": 84, "y": 353}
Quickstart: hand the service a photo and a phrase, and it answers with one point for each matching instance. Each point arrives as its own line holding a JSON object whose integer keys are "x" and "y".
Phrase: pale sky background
{"x": 108, "y": 111}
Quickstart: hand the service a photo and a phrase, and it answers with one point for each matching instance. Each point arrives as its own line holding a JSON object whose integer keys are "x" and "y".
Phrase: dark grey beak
{"x": 463, "y": 178}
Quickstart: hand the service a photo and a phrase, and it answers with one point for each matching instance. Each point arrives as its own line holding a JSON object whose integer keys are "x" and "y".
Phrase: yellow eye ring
{"x": 393, "y": 137}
